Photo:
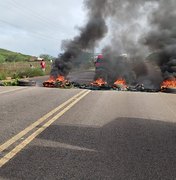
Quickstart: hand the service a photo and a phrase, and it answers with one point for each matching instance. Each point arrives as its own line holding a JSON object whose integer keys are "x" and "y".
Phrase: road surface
{"x": 93, "y": 135}
{"x": 81, "y": 76}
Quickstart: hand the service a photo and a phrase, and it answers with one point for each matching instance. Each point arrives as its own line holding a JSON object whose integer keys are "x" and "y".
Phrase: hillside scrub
{"x": 22, "y": 69}
{"x": 9, "y": 56}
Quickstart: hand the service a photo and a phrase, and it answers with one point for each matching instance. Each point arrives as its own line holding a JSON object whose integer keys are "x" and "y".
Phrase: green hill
{"x": 10, "y": 56}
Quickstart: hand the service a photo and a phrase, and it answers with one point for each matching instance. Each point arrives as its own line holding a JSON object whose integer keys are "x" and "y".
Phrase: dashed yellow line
{"x": 36, "y": 123}
{"x": 24, "y": 143}
{"x": 19, "y": 147}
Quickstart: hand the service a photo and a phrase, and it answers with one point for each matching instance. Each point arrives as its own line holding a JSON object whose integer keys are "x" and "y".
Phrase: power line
{"x": 47, "y": 27}
{"x": 31, "y": 15}
{"x": 35, "y": 14}
{"x": 36, "y": 34}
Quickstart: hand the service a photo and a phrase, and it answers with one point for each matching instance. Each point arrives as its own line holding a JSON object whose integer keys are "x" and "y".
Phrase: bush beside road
{"x": 22, "y": 69}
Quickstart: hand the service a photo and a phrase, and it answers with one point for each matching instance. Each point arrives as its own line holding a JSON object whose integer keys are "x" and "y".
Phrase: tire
{"x": 170, "y": 90}
{"x": 26, "y": 83}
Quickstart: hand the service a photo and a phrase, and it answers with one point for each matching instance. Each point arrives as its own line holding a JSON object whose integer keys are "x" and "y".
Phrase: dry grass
{"x": 9, "y": 69}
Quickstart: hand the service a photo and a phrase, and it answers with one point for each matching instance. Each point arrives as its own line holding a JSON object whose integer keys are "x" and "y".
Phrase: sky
{"x": 37, "y": 27}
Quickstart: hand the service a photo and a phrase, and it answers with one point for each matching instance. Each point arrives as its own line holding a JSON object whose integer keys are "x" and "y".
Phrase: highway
{"x": 82, "y": 134}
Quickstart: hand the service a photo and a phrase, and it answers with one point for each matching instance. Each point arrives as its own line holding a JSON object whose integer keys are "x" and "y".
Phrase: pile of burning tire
{"x": 100, "y": 84}
{"x": 169, "y": 90}
{"x": 169, "y": 86}
{"x": 64, "y": 85}
{"x": 59, "y": 82}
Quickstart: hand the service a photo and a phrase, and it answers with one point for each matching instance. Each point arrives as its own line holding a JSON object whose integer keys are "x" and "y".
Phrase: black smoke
{"x": 94, "y": 30}
{"x": 143, "y": 30}
{"x": 161, "y": 39}
{"x": 126, "y": 52}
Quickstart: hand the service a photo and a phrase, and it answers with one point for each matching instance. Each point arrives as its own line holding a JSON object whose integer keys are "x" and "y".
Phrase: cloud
{"x": 36, "y": 27}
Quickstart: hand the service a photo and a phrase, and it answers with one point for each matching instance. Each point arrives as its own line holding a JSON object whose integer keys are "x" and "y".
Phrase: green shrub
{"x": 31, "y": 73}
{"x": 2, "y": 59}
{"x": 15, "y": 75}
{"x": 2, "y": 76}
{"x": 10, "y": 56}
{"x": 13, "y": 82}
{"x": 36, "y": 72}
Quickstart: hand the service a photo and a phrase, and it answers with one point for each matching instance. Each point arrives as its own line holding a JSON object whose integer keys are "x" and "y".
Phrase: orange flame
{"x": 99, "y": 82}
{"x": 169, "y": 83}
{"x": 51, "y": 79}
{"x": 60, "y": 78}
{"x": 50, "y": 82}
{"x": 120, "y": 81}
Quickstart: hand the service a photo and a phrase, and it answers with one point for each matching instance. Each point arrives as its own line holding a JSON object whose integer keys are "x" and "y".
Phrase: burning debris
{"x": 169, "y": 85}
{"x": 50, "y": 82}
{"x": 99, "y": 82}
{"x": 59, "y": 82}
{"x": 120, "y": 84}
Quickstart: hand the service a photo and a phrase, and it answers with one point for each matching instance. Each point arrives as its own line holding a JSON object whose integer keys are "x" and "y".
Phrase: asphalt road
{"x": 81, "y": 76}
{"x": 97, "y": 135}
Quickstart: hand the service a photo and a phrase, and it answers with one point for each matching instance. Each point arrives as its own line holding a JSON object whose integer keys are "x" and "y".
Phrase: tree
{"x": 47, "y": 57}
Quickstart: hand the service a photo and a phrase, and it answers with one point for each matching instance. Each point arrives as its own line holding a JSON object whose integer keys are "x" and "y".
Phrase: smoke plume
{"x": 162, "y": 38}
{"x": 142, "y": 45}
{"x": 94, "y": 30}
{"x": 126, "y": 52}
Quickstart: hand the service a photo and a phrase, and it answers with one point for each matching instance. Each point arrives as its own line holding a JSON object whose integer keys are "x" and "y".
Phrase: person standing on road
{"x": 43, "y": 65}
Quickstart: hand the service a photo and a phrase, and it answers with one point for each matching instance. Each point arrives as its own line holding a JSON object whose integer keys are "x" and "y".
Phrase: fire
{"x": 60, "y": 81}
{"x": 50, "y": 82}
{"x": 60, "y": 78}
{"x": 169, "y": 83}
{"x": 99, "y": 82}
{"x": 120, "y": 81}
{"x": 120, "y": 84}
{"x": 51, "y": 79}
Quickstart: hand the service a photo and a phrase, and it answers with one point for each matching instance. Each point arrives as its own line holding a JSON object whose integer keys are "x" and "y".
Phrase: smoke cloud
{"x": 143, "y": 40}
{"x": 126, "y": 52}
{"x": 162, "y": 37}
{"x": 94, "y": 30}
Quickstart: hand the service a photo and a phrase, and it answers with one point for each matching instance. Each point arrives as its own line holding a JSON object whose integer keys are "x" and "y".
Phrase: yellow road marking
{"x": 3, "y": 92}
{"x": 19, "y": 147}
{"x": 36, "y": 123}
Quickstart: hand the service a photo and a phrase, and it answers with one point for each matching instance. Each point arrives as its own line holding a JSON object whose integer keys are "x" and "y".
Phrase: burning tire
{"x": 169, "y": 86}
{"x": 65, "y": 85}
{"x": 170, "y": 90}
{"x": 26, "y": 83}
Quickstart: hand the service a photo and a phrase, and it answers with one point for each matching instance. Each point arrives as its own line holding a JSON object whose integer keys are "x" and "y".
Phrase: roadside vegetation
{"x": 9, "y": 56}
{"x": 22, "y": 70}
{"x": 16, "y": 65}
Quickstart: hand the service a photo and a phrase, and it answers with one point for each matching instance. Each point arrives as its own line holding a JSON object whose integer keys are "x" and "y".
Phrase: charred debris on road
{"x": 99, "y": 84}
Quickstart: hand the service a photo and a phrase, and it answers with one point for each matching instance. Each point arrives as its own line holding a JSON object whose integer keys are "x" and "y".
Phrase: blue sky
{"x": 38, "y": 26}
